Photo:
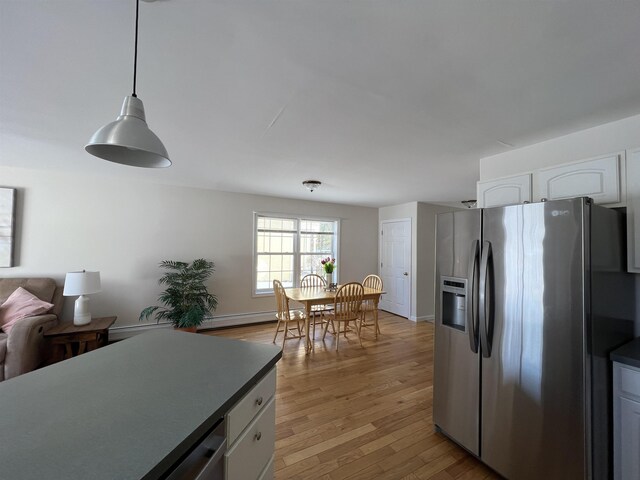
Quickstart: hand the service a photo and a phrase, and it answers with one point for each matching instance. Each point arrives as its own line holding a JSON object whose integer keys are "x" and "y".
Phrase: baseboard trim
{"x": 120, "y": 333}
{"x": 424, "y": 318}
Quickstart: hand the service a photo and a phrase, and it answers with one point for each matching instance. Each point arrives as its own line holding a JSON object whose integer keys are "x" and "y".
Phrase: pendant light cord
{"x": 135, "y": 52}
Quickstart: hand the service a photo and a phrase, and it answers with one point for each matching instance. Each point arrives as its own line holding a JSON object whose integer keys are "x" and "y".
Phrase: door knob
{"x": 406, "y": 273}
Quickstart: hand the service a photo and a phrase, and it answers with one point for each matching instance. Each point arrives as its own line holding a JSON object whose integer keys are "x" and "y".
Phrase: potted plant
{"x": 328, "y": 265}
{"x": 186, "y": 300}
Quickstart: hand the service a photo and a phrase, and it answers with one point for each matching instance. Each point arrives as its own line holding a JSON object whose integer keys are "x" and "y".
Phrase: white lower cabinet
{"x": 251, "y": 433}
{"x": 626, "y": 422}
{"x": 249, "y": 455}
{"x": 268, "y": 473}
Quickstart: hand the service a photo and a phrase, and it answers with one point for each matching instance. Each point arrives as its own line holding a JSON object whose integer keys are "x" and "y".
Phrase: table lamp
{"x": 81, "y": 283}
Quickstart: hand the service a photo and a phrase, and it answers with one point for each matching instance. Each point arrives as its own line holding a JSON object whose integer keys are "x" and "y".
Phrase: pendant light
{"x": 128, "y": 140}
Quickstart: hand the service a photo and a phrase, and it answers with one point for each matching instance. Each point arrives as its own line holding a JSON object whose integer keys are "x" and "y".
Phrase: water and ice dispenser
{"x": 453, "y": 298}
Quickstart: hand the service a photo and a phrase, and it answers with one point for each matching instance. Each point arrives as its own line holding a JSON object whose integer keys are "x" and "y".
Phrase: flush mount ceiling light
{"x": 312, "y": 184}
{"x": 469, "y": 203}
{"x": 128, "y": 140}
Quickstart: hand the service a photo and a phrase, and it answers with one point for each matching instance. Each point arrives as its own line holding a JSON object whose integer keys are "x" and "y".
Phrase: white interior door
{"x": 395, "y": 266}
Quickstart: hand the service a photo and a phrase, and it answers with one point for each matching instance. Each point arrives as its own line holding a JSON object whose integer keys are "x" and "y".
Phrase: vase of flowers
{"x": 329, "y": 265}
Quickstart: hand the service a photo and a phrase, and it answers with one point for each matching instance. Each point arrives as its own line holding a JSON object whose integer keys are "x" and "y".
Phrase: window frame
{"x": 296, "y": 245}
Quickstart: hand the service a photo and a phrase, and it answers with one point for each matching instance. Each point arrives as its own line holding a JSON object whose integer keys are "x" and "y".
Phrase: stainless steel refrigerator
{"x": 530, "y": 299}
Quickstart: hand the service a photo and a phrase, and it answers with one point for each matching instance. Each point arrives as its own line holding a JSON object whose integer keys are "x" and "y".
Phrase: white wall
{"x": 603, "y": 139}
{"x": 426, "y": 258}
{"x": 423, "y": 250}
{"x": 124, "y": 229}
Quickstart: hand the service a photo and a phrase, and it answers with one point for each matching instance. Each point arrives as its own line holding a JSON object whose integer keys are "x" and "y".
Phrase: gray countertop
{"x": 629, "y": 353}
{"x": 126, "y": 411}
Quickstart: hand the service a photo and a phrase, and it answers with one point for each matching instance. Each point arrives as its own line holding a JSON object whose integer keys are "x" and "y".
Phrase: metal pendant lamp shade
{"x": 128, "y": 140}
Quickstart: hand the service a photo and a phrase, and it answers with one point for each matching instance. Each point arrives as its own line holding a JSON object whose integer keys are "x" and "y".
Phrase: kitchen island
{"x": 132, "y": 410}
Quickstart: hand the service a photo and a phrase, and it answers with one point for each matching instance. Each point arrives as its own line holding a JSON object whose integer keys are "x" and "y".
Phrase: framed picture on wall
{"x": 7, "y": 225}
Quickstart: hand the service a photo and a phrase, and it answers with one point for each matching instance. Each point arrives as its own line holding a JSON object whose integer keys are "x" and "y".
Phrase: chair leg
{"x": 324, "y": 334}
{"x": 338, "y": 337}
{"x": 284, "y": 338}
{"x": 314, "y": 326}
{"x": 375, "y": 317}
{"x": 277, "y": 330}
{"x": 313, "y": 335}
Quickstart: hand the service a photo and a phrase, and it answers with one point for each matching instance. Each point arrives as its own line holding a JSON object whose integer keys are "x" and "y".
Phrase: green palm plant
{"x": 186, "y": 298}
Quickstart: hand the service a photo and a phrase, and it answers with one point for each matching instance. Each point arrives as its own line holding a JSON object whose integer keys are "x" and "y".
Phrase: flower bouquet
{"x": 328, "y": 265}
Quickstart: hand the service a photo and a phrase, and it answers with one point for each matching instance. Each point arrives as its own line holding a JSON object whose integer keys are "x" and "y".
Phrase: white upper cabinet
{"x": 633, "y": 210}
{"x": 504, "y": 191}
{"x": 598, "y": 178}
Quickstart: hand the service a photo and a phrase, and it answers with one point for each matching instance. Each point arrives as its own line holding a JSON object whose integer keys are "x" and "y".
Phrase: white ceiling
{"x": 383, "y": 101}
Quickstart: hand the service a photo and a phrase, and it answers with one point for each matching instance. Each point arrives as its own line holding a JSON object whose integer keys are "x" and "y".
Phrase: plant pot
{"x": 187, "y": 329}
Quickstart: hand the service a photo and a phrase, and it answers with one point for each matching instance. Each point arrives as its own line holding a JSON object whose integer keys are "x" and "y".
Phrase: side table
{"x": 74, "y": 340}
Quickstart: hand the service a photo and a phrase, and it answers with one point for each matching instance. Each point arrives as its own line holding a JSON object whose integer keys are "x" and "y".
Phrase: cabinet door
{"x": 598, "y": 179}
{"x": 633, "y": 210}
{"x": 254, "y": 448}
{"x": 629, "y": 439}
{"x": 249, "y": 406}
{"x": 626, "y": 421}
{"x": 504, "y": 191}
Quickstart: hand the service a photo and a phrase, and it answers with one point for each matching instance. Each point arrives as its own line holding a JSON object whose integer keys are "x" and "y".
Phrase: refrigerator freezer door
{"x": 533, "y": 382}
{"x": 456, "y": 381}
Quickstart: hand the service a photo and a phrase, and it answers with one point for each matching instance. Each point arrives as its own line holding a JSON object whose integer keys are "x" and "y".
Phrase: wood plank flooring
{"x": 361, "y": 413}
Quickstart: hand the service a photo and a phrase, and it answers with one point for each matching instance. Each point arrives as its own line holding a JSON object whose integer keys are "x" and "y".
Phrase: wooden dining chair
{"x": 313, "y": 280}
{"x": 369, "y": 306}
{"x": 346, "y": 309}
{"x": 286, "y": 316}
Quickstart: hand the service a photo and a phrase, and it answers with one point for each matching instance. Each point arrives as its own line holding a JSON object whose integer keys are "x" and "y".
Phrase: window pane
{"x": 274, "y": 267}
{"x": 317, "y": 226}
{"x": 275, "y": 242}
{"x": 271, "y": 223}
{"x": 311, "y": 264}
{"x": 316, "y": 242}
{"x": 263, "y": 263}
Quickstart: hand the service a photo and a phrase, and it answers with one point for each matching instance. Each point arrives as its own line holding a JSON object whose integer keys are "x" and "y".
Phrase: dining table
{"x": 310, "y": 296}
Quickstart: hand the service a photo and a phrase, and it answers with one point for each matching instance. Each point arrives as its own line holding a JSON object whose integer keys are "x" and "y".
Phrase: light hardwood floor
{"x": 361, "y": 413}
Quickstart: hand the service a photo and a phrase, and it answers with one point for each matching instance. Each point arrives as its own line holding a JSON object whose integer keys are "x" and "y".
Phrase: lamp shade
{"x": 81, "y": 283}
{"x": 128, "y": 140}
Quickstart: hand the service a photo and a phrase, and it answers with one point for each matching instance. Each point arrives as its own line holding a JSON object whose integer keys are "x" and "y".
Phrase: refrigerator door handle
{"x": 472, "y": 296}
{"x": 485, "y": 305}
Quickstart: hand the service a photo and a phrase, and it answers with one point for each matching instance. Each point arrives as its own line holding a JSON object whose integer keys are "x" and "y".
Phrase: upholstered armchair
{"x": 24, "y": 348}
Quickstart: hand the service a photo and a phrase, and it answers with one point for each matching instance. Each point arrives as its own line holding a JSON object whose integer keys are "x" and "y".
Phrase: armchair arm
{"x": 26, "y": 347}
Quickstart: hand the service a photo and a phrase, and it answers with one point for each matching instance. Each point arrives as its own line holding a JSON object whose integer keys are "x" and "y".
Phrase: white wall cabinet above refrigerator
{"x": 633, "y": 210}
{"x": 504, "y": 191}
{"x": 599, "y": 178}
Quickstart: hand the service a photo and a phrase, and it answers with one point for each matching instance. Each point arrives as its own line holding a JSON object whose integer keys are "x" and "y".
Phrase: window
{"x": 287, "y": 249}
